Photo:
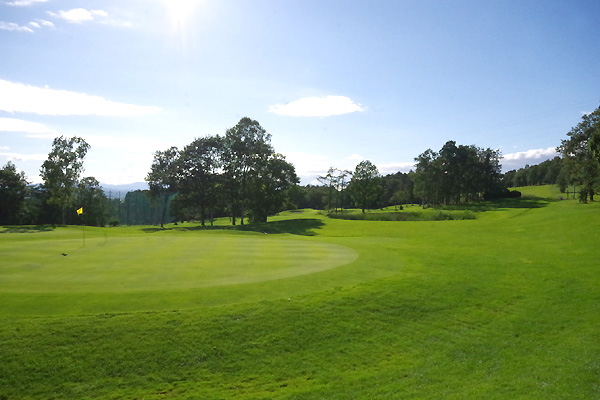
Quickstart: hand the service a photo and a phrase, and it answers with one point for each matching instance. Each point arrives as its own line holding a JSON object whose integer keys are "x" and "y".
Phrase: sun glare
{"x": 179, "y": 13}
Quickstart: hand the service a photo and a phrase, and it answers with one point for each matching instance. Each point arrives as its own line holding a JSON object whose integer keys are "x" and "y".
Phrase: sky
{"x": 334, "y": 82}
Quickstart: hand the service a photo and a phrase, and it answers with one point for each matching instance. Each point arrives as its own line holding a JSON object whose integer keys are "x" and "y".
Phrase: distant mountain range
{"x": 114, "y": 190}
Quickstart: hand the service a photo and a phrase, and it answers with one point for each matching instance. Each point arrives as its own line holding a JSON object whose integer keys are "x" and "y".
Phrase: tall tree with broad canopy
{"x": 200, "y": 165}
{"x": 13, "y": 189}
{"x": 163, "y": 178}
{"x": 365, "y": 186}
{"x": 247, "y": 149}
{"x": 580, "y": 154}
{"x": 61, "y": 171}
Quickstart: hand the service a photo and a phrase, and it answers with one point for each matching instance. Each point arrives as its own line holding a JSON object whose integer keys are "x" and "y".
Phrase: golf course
{"x": 502, "y": 306}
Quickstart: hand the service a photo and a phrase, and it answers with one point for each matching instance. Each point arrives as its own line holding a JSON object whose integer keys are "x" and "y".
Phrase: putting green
{"x": 157, "y": 262}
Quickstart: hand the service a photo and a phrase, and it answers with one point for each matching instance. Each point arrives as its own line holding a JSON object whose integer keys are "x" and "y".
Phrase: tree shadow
{"x": 303, "y": 227}
{"x": 27, "y": 229}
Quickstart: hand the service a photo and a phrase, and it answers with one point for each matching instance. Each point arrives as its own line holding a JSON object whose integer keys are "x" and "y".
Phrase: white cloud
{"x": 23, "y": 3}
{"x": 11, "y": 26}
{"x": 325, "y": 106}
{"x": 75, "y": 15}
{"x": 24, "y": 157}
{"x": 81, "y": 15}
{"x": 520, "y": 159}
{"x": 19, "y": 125}
{"x": 534, "y": 154}
{"x": 17, "y": 97}
{"x": 4, "y": 148}
{"x": 34, "y": 24}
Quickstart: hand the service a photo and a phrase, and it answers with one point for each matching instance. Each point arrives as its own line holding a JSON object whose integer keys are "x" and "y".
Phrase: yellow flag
{"x": 80, "y": 211}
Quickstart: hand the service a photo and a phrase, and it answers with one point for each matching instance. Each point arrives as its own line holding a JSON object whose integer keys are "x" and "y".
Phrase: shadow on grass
{"x": 302, "y": 227}
{"x": 26, "y": 229}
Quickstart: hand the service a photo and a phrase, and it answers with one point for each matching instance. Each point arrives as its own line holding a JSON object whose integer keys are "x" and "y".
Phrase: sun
{"x": 180, "y": 12}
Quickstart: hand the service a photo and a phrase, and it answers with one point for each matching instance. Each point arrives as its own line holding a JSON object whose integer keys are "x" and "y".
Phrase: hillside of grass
{"x": 504, "y": 306}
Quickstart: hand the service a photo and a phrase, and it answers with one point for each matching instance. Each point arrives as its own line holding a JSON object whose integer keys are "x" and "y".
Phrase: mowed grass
{"x": 505, "y": 306}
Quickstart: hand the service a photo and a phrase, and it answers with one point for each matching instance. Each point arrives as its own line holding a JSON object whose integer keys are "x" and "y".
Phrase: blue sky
{"x": 333, "y": 82}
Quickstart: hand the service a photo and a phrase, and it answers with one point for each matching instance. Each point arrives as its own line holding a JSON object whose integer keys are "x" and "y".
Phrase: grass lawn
{"x": 303, "y": 307}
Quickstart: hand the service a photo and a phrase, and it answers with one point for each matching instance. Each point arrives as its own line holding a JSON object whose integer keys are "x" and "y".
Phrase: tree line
{"x": 241, "y": 176}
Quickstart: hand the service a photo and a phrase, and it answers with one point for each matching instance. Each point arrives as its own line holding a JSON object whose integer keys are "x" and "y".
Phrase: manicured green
{"x": 504, "y": 306}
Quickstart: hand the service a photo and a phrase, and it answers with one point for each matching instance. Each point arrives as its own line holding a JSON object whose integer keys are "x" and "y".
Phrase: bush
{"x": 113, "y": 222}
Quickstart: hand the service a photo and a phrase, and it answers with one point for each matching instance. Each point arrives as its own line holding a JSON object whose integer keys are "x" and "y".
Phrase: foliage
{"x": 365, "y": 186}
{"x": 91, "y": 198}
{"x": 13, "y": 190}
{"x": 336, "y": 181}
{"x": 435, "y": 215}
{"x": 545, "y": 173}
{"x": 240, "y": 170}
{"x": 579, "y": 157}
{"x": 163, "y": 178}
{"x": 456, "y": 174}
{"x": 200, "y": 164}
{"x": 61, "y": 171}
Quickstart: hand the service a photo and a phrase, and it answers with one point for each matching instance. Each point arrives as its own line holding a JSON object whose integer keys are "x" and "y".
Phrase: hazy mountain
{"x": 113, "y": 190}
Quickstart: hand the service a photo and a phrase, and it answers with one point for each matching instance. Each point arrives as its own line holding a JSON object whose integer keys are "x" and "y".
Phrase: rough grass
{"x": 434, "y": 215}
{"x": 505, "y": 306}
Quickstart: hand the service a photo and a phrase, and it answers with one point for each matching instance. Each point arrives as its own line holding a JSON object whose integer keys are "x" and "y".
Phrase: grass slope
{"x": 505, "y": 306}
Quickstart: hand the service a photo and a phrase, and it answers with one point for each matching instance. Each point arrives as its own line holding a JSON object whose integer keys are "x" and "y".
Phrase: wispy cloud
{"x": 11, "y": 26}
{"x": 21, "y": 98}
{"x": 24, "y": 157}
{"x": 19, "y": 125}
{"x": 29, "y": 28}
{"x": 24, "y": 3}
{"x": 325, "y": 106}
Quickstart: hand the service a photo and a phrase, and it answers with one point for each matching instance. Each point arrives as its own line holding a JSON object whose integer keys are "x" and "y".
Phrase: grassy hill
{"x": 303, "y": 307}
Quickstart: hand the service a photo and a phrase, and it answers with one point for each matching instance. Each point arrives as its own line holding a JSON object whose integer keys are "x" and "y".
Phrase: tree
{"x": 61, "y": 171}
{"x": 579, "y": 157}
{"x": 13, "y": 189}
{"x": 336, "y": 181}
{"x": 200, "y": 164}
{"x": 269, "y": 187}
{"x": 247, "y": 148}
{"x": 365, "y": 186}
{"x": 163, "y": 178}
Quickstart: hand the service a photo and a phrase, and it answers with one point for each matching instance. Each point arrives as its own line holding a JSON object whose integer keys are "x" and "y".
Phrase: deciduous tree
{"x": 365, "y": 186}
{"x": 163, "y": 178}
{"x": 13, "y": 189}
{"x": 61, "y": 171}
{"x": 578, "y": 154}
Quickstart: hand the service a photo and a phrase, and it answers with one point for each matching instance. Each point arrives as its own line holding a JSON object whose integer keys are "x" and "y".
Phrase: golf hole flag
{"x": 80, "y": 211}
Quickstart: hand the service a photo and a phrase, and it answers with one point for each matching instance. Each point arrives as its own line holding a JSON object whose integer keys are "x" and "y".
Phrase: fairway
{"x": 504, "y": 306}
{"x": 158, "y": 262}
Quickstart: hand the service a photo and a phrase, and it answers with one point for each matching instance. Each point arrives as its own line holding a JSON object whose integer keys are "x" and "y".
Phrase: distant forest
{"x": 240, "y": 176}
